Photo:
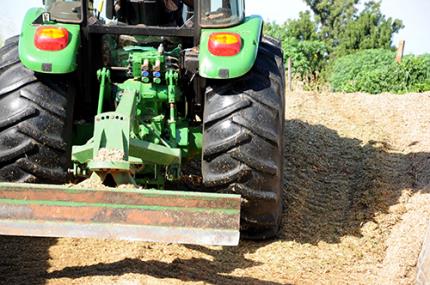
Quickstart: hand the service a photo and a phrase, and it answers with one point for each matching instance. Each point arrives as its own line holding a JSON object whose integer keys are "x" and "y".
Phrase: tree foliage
{"x": 304, "y": 28}
{"x": 334, "y": 28}
{"x": 331, "y": 17}
{"x": 345, "y": 29}
{"x": 308, "y": 55}
{"x": 369, "y": 30}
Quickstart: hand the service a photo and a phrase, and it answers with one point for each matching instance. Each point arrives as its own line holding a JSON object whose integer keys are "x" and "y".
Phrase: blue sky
{"x": 414, "y": 13}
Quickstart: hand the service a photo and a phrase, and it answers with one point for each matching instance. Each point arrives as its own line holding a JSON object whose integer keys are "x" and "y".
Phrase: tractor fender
{"x": 225, "y": 67}
{"x": 57, "y": 62}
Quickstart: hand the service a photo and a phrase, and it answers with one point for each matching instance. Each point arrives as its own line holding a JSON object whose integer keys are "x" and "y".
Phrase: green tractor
{"x": 160, "y": 121}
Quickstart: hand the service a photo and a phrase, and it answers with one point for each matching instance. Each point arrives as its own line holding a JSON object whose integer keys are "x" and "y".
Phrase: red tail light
{"x": 225, "y": 44}
{"x": 51, "y": 38}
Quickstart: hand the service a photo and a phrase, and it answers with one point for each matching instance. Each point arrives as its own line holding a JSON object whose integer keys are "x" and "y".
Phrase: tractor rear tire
{"x": 35, "y": 121}
{"x": 243, "y": 141}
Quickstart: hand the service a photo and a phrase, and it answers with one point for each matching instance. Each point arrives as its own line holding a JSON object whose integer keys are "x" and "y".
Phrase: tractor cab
{"x": 212, "y": 13}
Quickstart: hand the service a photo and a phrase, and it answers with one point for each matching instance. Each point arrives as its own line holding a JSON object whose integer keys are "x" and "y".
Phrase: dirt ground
{"x": 357, "y": 207}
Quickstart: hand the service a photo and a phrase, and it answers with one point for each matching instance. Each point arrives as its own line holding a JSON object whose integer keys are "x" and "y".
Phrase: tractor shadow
{"x": 225, "y": 260}
{"x": 24, "y": 260}
{"x": 333, "y": 185}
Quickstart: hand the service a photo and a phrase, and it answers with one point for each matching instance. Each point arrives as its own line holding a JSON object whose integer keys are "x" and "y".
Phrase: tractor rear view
{"x": 163, "y": 122}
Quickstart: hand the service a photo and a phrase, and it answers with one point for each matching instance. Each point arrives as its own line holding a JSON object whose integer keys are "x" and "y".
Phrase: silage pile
{"x": 357, "y": 205}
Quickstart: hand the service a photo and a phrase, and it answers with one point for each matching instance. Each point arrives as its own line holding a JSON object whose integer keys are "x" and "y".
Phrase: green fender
{"x": 58, "y": 62}
{"x": 224, "y": 67}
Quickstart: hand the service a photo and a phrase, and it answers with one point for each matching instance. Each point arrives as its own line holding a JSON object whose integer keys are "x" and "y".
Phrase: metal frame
{"x": 140, "y": 30}
{"x": 183, "y": 31}
{"x": 126, "y": 214}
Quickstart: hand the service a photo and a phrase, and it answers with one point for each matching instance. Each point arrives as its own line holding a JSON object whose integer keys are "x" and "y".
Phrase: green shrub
{"x": 308, "y": 55}
{"x": 375, "y": 71}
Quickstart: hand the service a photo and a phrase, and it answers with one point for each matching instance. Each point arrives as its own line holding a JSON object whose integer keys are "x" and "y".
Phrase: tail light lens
{"x": 225, "y": 44}
{"x": 51, "y": 38}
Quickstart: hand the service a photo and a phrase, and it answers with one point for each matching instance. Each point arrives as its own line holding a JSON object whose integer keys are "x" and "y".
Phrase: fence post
{"x": 400, "y": 51}
{"x": 290, "y": 85}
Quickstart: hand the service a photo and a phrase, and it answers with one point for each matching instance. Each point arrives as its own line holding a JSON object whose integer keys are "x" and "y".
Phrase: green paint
{"x": 154, "y": 153}
{"x": 210, "y": 66}
{"x": 140, "y": 127}
{"x": 172, "y": 81}
{"x": 82, "y": 153}
{"x": 5, "y": 186}
{"x": 103, "y": 75}
{"x": 111, "y": 131}
{"x": 95, "y": 165}
{"x": 116, "y": 206}
{"x": 195, "y": 142}
{"x": 58, "y": 62}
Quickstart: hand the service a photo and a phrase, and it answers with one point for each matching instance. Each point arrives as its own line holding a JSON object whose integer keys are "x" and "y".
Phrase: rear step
{"x": 125, "y": 214}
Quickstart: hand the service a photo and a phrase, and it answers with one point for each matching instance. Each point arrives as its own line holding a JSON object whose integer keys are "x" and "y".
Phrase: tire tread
{"x": 34, "y": 131}
{"x": 243, "y": 141}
